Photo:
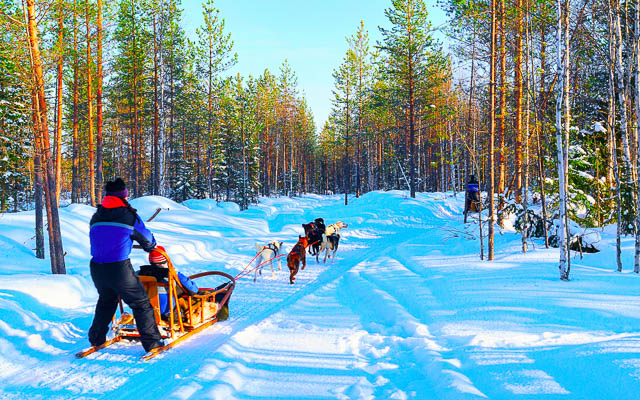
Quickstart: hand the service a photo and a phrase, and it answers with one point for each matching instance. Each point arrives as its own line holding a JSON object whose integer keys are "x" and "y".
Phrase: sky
{"x": 310, "y": 34}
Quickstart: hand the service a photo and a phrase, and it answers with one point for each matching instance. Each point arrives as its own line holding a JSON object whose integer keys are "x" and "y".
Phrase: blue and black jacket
{"x": 114, "y": 227}
{"x": 473, "y": 192}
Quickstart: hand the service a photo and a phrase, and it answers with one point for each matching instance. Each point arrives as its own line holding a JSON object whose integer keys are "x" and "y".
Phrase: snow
{"x": 599, "y": 127}
{"x": 407, "y": 311}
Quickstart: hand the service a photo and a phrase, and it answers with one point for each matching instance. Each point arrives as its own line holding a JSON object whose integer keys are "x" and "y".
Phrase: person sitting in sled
{"x": 159, "y": 269}
{"x": 472, "y": 197}
{"x": 113, "y": 228}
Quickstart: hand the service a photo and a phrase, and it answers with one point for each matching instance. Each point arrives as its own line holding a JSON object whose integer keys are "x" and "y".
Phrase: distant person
{"x": 472, "y": 196}
{"x": 114, "y": 227}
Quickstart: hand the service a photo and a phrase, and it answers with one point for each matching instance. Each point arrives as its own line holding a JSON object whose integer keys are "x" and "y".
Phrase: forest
{"x": 539, "y": 99}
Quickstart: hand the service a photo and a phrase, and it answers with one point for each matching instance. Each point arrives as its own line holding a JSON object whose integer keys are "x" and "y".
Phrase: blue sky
{"x": 310, "y": 34}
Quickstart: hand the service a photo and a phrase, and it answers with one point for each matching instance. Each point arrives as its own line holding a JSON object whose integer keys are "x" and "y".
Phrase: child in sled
{"x": 159, "y": 270}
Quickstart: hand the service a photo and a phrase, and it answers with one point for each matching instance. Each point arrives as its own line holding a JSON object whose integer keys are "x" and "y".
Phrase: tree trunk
{"x": 99, "y": 169}
{"x": 42, "y": 142}
{"x": 347, "y": 172}
{"x": 612, "y": 132}
{"x": 622, "y": 95}
{"x": 542, "y": 107}
{"x": 75, "y": 162}
{"x": 58, "y": 135}
{"x": 636, "y": 262}
{"x": 518, "y": 97}
{"x": 136, "y": 134}
{"x": 155, "y": 186}
{"x": 503, "y": 107}
{"x": 412, "y": 163}
{"x": 561, "y": 231}
{"x": 37, "y": 169}
{"x": 567, "y": 127}
{"x": 492, "y": 128}
{"x": 92, "y": 160}
{"x": 525, "y": 164}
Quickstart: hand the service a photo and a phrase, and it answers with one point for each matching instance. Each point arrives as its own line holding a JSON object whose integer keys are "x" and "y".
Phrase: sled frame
{"x": 179, "y": 327}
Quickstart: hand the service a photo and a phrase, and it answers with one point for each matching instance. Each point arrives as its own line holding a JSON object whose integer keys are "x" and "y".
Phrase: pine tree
{"x": 344, "y": 107}
{"x": 214, "y": 57}
{"x": 408, "y": 43}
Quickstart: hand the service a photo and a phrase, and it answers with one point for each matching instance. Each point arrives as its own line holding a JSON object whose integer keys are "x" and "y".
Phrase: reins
{"x": 244, "y": 273}
{"x": 245, "y": 268}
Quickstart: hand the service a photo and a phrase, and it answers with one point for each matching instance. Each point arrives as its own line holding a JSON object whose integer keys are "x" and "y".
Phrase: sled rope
{"x": 245, "y": 273}
{"x": 247, "y": 266}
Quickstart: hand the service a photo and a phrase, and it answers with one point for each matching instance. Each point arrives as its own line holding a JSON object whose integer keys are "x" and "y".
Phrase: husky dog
{"x": 267, "y": 252}
{"x": 331, "y": 239}
{"x": 335, "y": 228}
{"x": 330, "y": 246}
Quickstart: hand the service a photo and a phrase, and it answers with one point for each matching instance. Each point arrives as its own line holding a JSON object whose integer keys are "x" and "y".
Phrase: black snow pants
{"x": 469, "y": 198}
{"x": 118, "y": 279}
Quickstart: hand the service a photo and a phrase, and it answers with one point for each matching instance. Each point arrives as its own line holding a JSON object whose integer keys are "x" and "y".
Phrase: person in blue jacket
{"x": 472, "y": 195}
{"x": 159, "y": 269}
{"x": 114, "y": 227}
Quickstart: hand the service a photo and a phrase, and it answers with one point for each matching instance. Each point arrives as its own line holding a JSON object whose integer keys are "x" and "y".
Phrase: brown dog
{"x": 296, "y": 255}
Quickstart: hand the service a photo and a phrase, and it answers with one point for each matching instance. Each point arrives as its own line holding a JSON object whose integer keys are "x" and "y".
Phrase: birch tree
{"x": 563, "y": 70}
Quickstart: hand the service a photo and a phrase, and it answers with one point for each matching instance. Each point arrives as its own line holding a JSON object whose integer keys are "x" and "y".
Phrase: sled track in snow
{"x": 186, "y": 359}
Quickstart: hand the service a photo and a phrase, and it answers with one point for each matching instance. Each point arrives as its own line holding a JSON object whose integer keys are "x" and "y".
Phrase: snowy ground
{"x": 406, "y": 311}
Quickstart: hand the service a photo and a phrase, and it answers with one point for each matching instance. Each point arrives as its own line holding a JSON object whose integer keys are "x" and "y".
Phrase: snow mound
{"x": 148, "y": 205}
{"x": 211, "y": 205}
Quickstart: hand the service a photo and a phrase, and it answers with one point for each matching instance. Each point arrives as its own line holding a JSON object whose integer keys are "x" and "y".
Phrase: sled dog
{"x": 267, "y": 252}
{"x": 296, "y": 256}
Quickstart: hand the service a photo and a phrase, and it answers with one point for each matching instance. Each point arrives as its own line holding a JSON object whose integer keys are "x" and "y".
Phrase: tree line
{"x": 90, "y": 91}
{"x": 539, "y": 99}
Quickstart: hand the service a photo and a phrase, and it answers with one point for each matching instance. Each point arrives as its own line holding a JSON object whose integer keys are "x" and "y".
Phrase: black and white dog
{"x": 330, "y": 246}
{"x": 331, "y": 239}
{"x": 265, "y": 253}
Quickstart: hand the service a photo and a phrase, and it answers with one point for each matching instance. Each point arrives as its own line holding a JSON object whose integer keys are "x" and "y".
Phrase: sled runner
{"x": 187, "y": 316}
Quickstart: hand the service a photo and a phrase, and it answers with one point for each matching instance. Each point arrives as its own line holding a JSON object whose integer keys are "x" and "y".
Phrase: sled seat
{"x": 192, "y": 310}
{"x": 150, "y": 285}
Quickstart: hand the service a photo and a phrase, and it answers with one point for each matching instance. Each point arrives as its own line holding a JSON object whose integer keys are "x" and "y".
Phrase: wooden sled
{"x": 193, "y": 314}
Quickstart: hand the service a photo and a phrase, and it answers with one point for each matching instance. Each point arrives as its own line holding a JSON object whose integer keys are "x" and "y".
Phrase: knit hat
{"x": 155, "y": 257}
{"x": 116, "y": 188}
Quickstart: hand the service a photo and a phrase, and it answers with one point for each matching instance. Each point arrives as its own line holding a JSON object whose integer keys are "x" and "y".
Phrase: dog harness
{"x": 296, "y": 249}
{"x": 271, "y": 247}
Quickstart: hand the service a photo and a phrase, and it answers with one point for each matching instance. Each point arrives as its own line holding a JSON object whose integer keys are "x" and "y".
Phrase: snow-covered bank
{"x": 406, "y": 311}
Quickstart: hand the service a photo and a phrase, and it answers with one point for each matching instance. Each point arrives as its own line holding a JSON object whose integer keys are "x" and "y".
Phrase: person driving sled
{"x": 472, "y": 195}
{"x": 114, "y": 227}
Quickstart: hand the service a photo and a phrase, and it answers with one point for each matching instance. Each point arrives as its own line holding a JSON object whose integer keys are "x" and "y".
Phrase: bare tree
{"x": 41, "y": 133}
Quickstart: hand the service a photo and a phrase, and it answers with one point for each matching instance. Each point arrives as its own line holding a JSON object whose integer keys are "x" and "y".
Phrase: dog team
{"x": 317, "y": 238}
